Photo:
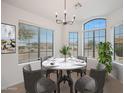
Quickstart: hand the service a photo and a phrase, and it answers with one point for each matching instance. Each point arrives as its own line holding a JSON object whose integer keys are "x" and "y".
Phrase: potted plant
{"x": 105, "y": 55}
{"x": 65, "y": 50}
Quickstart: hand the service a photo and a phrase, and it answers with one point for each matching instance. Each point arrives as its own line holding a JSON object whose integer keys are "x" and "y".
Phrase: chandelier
{"x": 64, "y": 21}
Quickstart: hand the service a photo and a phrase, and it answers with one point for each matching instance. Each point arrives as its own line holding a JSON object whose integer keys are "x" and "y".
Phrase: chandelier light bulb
{"x": 65, "y": 11}
{"x": 56, "y": 14}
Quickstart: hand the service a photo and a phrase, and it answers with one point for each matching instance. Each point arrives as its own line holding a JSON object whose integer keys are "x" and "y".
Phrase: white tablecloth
{"x": 60, "y": 64}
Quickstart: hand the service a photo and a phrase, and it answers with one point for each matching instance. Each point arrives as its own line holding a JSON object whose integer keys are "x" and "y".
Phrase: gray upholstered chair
{"x": 36, "y": 81}
{"x": 85, "y": 84}
{"x": 30, "y": 78}
{"x": 99, "y": 77}
{"x": 82, "y": 70}
{"x": 45, "y": 85}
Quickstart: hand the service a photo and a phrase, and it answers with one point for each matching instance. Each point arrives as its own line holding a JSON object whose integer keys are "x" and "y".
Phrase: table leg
{"x": 65, "y": 78}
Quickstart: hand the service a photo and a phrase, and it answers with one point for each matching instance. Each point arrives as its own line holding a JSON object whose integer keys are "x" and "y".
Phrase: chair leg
{"x": 58, "y": 88}
{"x": 81, "y": 74}
{"x": 85, "y": 73}
{"x": 76, "y": 91}
{"x": 77, "y": 74}
{"x": 55, "y": 91}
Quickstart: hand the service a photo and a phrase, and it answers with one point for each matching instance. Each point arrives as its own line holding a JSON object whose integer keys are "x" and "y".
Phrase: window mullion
{"x": 94, "y": 43}
{"x": 39, "y": 43}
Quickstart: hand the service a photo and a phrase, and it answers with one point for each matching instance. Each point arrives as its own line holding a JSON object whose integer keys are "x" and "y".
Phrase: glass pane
{"x": 75, "y": 51}
{"x": 49, "y": 36}
{"x": 43, "y": 36}
{"x": 71, "y": 35}
{"x": 118, "y": 43}
{"x": 23, "y": 58}
{"x": 75, "y": 41}
{"x": 96, "y": 54}
{"x": 117, "y": 39}
{"x": 102, "y": 32}
{"x": 28, "y": 42}
{"x": 33, "y": 56}
{"x": 86, "y": 43}
{"x": 86, "y": 34}
{"x": 43, "y": 46}
{"x": 90, "y": 53}
{"x": 90, "y": 43}
{"x": 49, "y": 54}
{"x": 102, "y": 39}
{"x": 75, "y": 34}
{"x": 71, "y": 41}
{"x": 95, "y": 24}
{"x": 121, "y": 29}
{"x": 90, "y": 34}
{"x": 43, "y": 54}
{"x": 49, "y": 46}
{"x": 86, "y": 52}
{"x": 49, "y": 40}
{"x": 97, "y": 33}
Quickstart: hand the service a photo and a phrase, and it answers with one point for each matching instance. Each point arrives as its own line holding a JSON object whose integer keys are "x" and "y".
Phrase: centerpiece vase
{"x": 65, "y": 58}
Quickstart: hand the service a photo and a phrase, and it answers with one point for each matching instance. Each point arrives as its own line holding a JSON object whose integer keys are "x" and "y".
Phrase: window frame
{"x": 93, "y": 30}
{"x": 117, "y": 61}
{"x": 39, "y": 42}
{"x": 73, "y": 41}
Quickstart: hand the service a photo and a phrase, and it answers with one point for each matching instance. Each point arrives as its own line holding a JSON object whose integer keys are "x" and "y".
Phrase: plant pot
{"x": 100, "y": 66}
{"x": 65, "y": 59}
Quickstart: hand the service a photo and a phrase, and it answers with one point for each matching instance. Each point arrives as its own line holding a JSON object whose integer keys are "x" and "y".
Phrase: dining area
{"x": 63, "y": 71}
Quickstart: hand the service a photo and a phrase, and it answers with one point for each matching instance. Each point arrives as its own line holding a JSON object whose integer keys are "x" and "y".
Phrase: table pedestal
{"x": 65, "y": 78}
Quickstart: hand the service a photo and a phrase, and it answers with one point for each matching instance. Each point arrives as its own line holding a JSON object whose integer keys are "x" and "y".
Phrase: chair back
{"x": 45, "y": 85}
{"x": 46, "y": 57}
{"x": 30, "y": 78}
{"x": 99, "y": 77}
{"x": 43, "y": 69}
{"x": 82, "y": 58}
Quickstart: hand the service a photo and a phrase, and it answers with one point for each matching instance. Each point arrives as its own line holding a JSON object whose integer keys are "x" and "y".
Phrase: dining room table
{"x": 60, "y": 64}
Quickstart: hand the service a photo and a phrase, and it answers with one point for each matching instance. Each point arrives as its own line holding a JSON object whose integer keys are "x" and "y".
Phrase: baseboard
{"x": 7, "y": 86}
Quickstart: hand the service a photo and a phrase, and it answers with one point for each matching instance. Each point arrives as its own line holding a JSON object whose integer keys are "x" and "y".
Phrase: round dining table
{"x": 60, "y": 64}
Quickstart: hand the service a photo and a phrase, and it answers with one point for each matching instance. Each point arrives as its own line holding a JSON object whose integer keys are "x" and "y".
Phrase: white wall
{"x": 11, "y": 71}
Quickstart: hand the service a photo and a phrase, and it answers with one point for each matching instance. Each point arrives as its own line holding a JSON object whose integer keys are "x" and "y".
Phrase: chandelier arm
{"x": 70, "y": 22}
{"x": 64, "y": 21}
{"x": 64, "y": 4}
{"x": 59, "y": 21}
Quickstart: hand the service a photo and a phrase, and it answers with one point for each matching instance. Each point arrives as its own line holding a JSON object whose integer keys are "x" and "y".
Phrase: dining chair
{"x": 82, "y": 70}
{"x": 85, "y": 84}
{"x": 35, "y": 81}
{"x": 30, "y": 78}
{"x": 49, "y": 71}
{"x": 99, "y": 77}
{"x": 45, "y": 85}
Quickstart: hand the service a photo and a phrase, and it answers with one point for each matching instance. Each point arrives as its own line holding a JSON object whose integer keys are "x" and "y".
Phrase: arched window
{"x": 94, "y": 32}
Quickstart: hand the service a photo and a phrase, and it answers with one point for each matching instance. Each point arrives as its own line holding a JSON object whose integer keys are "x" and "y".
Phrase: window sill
{"x": 117, "y": 62}
{"x": 32, "y": 62}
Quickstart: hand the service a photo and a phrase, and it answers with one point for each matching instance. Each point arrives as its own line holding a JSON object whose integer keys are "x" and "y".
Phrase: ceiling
{"x": 48, "y": 8}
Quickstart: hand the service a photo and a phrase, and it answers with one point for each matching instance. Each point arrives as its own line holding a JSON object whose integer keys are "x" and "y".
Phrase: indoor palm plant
{"x": 65, "y": 50}
{"x": 105, "y": 55}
